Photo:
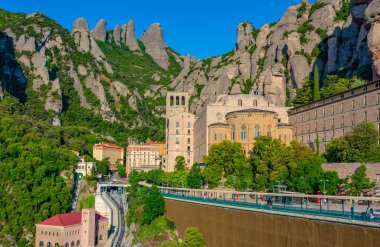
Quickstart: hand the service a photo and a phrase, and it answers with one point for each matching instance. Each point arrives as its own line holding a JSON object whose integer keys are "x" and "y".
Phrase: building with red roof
{"x": 86, "y": 228}
{"x": 110, "y": 151}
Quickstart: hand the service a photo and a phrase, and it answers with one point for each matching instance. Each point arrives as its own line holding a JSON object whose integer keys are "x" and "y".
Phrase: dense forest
{"x": 33, "y": 155}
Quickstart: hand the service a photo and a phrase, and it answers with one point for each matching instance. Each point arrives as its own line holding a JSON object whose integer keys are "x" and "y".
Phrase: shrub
{"x": 322, "y": 33}
{"x": 315, "y": 7}
{"x": 193, "y": 238}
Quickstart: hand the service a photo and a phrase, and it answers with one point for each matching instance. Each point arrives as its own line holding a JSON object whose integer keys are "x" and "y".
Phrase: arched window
{"x": 171, "y": 100}
{"x": 285, "y": 138}
{"x": 67, "y": 245}
{"x": 183, "y": 100}
{"x": 177, "y": 100}
{"x": 78, "y": 243}
{"x": 221, "y": 136}
{"x": 257, "y": 130}
{"x": 48, "y": 244}
{"x": 56, "y": 244}
{"x": 41, "y": 244}
{"x": 243, "y": 133}
{"x": 255, "y": 103}
{"x": 72, "y": 244}
{"x": 188, "y": 132}
{"x": 101, "y": 237}
{"x": 240, "y": 102}
{"x": 215, "y": 136}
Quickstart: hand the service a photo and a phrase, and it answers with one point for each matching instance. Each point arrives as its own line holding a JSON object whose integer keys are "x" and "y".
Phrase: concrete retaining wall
{"x": 225, "y": 227}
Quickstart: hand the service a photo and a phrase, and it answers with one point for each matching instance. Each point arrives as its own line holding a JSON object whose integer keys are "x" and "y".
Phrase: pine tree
{"x": 317, "y": 95}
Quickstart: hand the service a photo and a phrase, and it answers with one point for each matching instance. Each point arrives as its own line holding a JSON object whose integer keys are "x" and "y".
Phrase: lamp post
{"x": 324, "y": 185}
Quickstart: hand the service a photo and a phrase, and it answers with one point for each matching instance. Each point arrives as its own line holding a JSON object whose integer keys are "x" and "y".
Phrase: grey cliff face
{"x": 80, "y": 24}
{"x": 100, "y": 31}
{"x": 372, "y": 15}
{"x": 130, "y": 39}
{"x": 117, "y": 34}
{"x": 155, "y": 45}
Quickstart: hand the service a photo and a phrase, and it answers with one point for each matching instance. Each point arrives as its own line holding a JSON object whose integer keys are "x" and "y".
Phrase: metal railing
{"x": 346, "y": 209}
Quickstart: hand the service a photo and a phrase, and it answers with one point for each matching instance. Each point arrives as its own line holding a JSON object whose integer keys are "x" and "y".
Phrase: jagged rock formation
{"x": 130, "y": 37}
{"x": 155, "y": 45}
{"x": 272, "y": 61}
{"x": 100, "y": 31}
{"x": 117, "y": 34}
{"x": 277, "y": 58}
{"x": 372, "y": 15}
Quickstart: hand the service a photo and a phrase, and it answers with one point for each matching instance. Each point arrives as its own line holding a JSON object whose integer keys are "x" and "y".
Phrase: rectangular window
{"x": 188, "y": 124}
{"x": 352, "y": 92}
{"x": 269, "y": 134}
{"x": 221, "y": 136}
{"x": 177, "y": 141}
{"x": 177, "y": 124}
{"x": 215, "y": 136}
{"x": 188, "y": 140}
{"x": 342, "y": 95}
{"x": 177, "y": 131}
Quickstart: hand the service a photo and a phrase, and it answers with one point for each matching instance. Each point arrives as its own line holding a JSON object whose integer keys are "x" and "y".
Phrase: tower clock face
{"x": 219, "y": 116}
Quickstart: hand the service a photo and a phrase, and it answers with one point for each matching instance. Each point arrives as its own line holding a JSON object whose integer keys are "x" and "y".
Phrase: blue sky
{"x": 201, "y": 28}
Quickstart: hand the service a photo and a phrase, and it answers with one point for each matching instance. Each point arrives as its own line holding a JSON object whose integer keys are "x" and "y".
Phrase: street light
{"x": 324, "y": 185}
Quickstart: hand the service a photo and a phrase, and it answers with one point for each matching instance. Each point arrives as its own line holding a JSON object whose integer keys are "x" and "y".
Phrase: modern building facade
{"x": 145, "y": 157}
{"x": 333, "y": 116}
{"x": 213, "y": 118}
{"x": 86, "y": 228}
{"x": 179, "y": 130}
{"x": 114, "y": 153}
{"x": 245, "y": 126}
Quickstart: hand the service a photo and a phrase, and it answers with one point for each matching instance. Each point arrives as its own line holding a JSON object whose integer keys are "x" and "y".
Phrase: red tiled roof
{"x": 68, "y": 219}
{"x": 154, "y": 143}
{"x": 107, "y": 144}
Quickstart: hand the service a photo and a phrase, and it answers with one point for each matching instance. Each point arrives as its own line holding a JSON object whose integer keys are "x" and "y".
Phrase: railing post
{"x": 307, "y": 200}
{"x": 257, "y": 199}
{"x": 343, "y": 206}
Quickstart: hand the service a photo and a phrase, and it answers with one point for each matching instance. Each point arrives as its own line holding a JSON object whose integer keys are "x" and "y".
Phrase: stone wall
{"x": 229, "y": 227}
{"x": 347, "y": 169}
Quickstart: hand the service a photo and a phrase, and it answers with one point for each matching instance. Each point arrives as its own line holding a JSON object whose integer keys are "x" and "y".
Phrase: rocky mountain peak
{"x": 100, "y": 31}
{"x": 130, "y": 39}
{"x": 372, "y": 15}
{"x": 155, "y": 45}
{"x": 80, "y": 24}
{"x": 117, "y": 34}
{"x": 244, "y": 36}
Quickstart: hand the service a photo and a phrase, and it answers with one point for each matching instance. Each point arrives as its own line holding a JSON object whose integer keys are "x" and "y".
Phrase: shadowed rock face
{"x": 155, "y": 45}
{"x": 100, "y": 31}
{"x": 372, "y": 15}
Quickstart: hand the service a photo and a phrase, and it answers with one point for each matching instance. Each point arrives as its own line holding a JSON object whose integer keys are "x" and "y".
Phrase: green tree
{"x": 193, "y": 238}
{"x": 194, "y": 179}
{"x": 359, "y": 181}
{"x": 361, "y": 144}
{"x": 154, "y": 205}
{"x": 103, "y": 167}
{"x": 121, "y": 171}
{"x": 303, "y": 94}
{"x": 180, "y": 164}
{"x": 271, "y": 161}
{"x": 227, "y": 160}
{"x": 317, "y": 95}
